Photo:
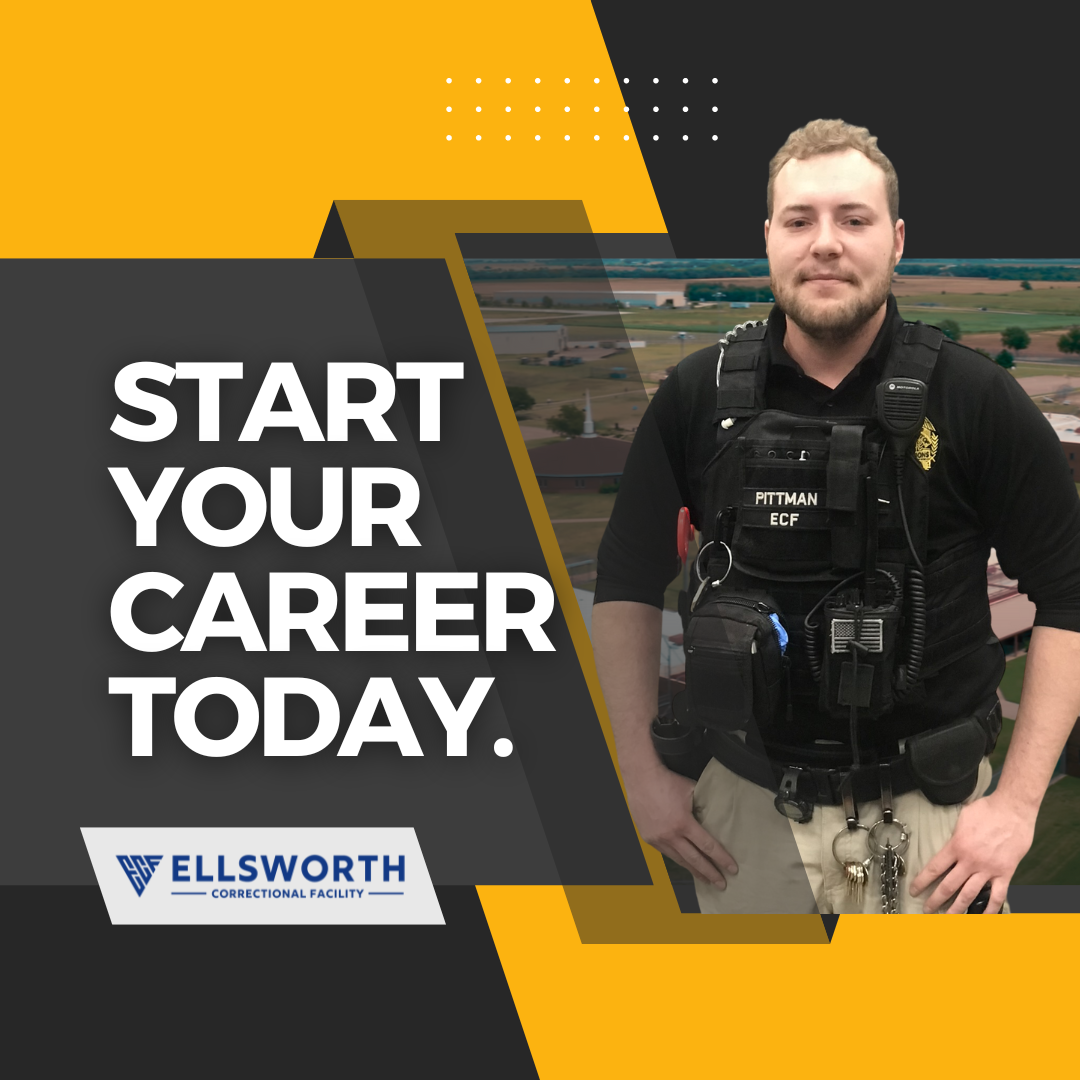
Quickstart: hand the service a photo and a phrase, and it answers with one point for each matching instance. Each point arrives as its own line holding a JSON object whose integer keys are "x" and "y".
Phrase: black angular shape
{"x": 565, "y": 246}
{"x": 156, "y": 981}
{"x": 829, "y": 922}
{"x": 708, "y": 164}
{"x": 333, "y": 244}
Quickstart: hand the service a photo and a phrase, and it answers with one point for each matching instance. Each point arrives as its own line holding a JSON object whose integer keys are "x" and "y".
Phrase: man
{"x": 994, "y": 474}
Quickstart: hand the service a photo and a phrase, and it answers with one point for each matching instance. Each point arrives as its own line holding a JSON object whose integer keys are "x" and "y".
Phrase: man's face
{"x": 831, "y": 244}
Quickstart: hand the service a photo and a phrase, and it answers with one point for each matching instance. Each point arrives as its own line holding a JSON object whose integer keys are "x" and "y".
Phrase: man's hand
{"x": 661, "y": 806}
{"x": 990, "y": 839}
{"x": 626, "y": 643}
{"x": 994, "y": 833}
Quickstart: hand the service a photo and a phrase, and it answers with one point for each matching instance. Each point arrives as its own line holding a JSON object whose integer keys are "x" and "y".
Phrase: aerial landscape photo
{"x": 583, "y": 344}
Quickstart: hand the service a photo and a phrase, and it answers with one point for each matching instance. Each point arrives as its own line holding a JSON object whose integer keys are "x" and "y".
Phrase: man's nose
{"x": 826, "y": 240}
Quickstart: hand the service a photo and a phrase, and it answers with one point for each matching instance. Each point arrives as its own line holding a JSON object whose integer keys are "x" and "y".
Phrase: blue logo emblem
{"x": 139, "y": 869}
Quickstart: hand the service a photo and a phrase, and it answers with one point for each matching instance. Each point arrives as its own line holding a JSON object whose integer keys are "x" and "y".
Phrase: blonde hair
{"x": 832, "y": 137}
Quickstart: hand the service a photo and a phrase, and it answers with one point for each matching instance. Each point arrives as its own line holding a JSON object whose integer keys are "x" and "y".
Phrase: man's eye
{"x": 856, "y": 221}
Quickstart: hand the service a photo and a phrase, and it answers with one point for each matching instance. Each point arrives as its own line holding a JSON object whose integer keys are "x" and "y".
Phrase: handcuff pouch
{"x": 945, "y": 760}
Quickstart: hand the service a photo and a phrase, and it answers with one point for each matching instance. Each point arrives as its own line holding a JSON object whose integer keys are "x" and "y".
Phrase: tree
{"x": 1025, "y": 285}
{"x": 520, "y": 398}
{"x": 547, "y": 302}
{"x": 1004, "y": 358}
{"x": 570, "y": 421}
{"x": 1015, "y": 337}
{"x": 701, "y": 291}
{"x": 1070, "y": 340}
{"x": 951, "y": 329}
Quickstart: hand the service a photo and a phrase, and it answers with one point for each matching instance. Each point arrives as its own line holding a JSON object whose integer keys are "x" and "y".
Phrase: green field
{"x": 984, "y": 322}
{"x": 1054, "y": 858}
{"x": 1063, "y": 302}
{"x": 709, "y": 323}
{"x": 708, "y": 320}
{"x": 1023, "y": 368}
{"x": 568, "y": 504}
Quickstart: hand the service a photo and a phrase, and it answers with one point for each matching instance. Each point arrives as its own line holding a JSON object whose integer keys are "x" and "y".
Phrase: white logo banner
{"x": 262, "y": 875}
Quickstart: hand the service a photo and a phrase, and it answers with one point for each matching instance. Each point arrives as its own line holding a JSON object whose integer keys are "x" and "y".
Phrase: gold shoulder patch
{"x": 926, "y": 445}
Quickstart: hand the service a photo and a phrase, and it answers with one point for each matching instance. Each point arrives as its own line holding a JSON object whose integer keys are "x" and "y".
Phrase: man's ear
{"x": 767, "y": 235}
{"x": 898, "y": 239}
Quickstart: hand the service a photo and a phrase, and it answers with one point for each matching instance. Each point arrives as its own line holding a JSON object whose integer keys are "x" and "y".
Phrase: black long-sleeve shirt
{"x": 999, "y": 475}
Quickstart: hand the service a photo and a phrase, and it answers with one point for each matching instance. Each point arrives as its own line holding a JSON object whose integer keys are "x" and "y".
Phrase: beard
{"x": 832, "y": 323}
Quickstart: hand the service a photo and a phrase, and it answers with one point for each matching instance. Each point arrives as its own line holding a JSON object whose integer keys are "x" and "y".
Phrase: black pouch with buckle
{"x": 735, "y": 663}
{"x": 678, "y": 743}
{"x": 945, "y": 760}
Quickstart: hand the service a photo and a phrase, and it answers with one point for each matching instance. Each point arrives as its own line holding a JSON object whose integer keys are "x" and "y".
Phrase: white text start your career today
{"x": 146, "y": 509}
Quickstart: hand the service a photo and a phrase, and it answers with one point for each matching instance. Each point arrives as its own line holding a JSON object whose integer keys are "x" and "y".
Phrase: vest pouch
{"x": 735, "y": 662}
{"x": 945, "y": 760}
{"x": 783, "y": 522}
{"x": 867, "y": 683}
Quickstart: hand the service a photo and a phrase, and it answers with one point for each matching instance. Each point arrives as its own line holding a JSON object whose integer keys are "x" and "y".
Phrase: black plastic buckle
{"x": 787, "y": 801}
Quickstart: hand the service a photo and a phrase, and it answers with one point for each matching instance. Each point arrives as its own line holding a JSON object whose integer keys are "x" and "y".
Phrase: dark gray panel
{"x": 557, "y": 245}
{"x": 65, "y": 761}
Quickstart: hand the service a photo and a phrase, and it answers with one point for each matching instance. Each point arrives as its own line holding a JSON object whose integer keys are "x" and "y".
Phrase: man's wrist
{"x": 640, "y": 760}
{"x": 1019, "y": 802}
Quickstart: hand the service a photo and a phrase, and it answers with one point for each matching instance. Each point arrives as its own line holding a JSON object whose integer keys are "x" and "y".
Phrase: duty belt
{"x": 802, "y": 783}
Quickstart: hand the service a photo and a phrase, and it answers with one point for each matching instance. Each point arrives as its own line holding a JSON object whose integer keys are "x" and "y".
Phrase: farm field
{"x": 1045, "y": 311}
{"x": 579, "y": 522}
{"x": 993, "y": 322}
{"x": 569, "y": 504}
{"x": 1063, "y": 299}
{"x": 617, "y": 403}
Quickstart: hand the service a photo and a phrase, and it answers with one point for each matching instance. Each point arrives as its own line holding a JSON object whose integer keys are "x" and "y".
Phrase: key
{"x": 856, "y": 875}
{"x": 849, "y": 851}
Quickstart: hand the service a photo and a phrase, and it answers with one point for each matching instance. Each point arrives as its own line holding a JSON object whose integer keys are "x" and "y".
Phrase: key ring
{"x": 705, "y": 582}
{"x": 881, "y": 835}
{"x": 848, "y": 831}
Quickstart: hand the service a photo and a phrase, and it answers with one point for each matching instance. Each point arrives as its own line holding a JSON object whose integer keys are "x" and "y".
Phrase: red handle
{"x": 683, "y": 533}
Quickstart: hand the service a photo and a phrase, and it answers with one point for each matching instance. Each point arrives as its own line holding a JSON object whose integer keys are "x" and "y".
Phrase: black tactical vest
{"x": 805, "y": 503}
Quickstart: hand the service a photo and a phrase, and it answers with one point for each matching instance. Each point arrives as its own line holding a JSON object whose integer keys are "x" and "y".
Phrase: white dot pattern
{"x": 536, "y": 109}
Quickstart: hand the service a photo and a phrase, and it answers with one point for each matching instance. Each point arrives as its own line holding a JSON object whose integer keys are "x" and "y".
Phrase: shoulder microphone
{"x": 901, "y": 409}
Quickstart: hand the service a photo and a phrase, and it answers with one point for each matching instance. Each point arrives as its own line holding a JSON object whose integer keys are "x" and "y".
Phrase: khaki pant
{"x": 788, "y": 868}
